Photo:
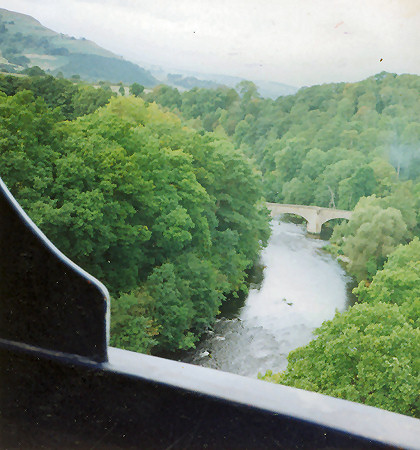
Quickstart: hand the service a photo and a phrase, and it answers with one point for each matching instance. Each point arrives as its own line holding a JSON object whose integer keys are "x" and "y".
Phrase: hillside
{"x": 24, "y": 42}
{"x": 352, "y": 146}
{"x": 167, "y": 217}
{"x": 188, "y": 80}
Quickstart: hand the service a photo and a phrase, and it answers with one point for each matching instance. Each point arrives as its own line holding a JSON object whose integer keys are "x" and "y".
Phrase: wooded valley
{"x": 161, "y": 196}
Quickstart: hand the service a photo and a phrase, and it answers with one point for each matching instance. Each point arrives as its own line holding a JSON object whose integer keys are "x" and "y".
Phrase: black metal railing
{"x": 61, "y": 385}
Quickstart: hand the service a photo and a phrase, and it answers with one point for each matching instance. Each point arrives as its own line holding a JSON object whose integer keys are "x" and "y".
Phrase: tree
{"x": 172, "y": 308}
{"x": 385, "y": 176}
{"x": 166, "y": 96}
{"x": 136, "y": 89}
{"x": 298, "y": 191}
{"x": 361, "y": 184}
{"x": 398, "y": 282}
{"x": 289, "y": 158}
{"x": 375, "y": 233}
{"x": 27, "y": 142}
{"x": 248, "y": 90}
{"x": 403, "y": 198}
{"x": 34, "y": 71}
{"x": 314, "y": 164}
{"x": 88, "y": 99}
{"x": 366, "y": 354}
{"x": 371, "y": 234}
{"x": 131, "y": 326}
{"x": 143, "y": 203}
{"x": 329, "y": 181}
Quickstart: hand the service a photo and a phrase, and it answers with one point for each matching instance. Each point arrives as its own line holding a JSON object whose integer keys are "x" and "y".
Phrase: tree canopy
{"x": 147, "y": 205}
{"x": 369, "y": 354}
{"x": 364, "y": 355}
{"x": 160, "y": 195}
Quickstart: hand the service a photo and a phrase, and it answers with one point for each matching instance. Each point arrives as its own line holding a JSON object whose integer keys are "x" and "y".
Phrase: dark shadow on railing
{"x": 62, "y": 387}
{"x": 46, "y": 300}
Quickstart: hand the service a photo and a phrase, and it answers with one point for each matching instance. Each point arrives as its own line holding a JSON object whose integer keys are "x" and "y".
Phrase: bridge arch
{"x": 315, "y": 216}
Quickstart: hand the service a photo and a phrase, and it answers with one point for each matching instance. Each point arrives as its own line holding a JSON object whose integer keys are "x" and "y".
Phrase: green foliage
{"x": 367, "y": 354}
{"x": 402, "y": 196}
{"x": 136, "y": 89}
{"x": 34, "y": 71}
{"x": 165, "y": 96}
{"x": 26, "y": 139}
{"x": 372, "y": 233}
{"x": 88, "y": 99}
{"x": 298, "y": 191}
{"x": 398, "y": 282}
{"x": 145, "y": 204}
{"x": 353, "y": 140}
{"x": 178, "y": 301}
{"x": 361, "y": 184}
{"x": 170, "y": 218}
{"x": 172, "y": 307}
{"x": 131, "y": 328}
{"x": 96, "y": 67}
{"x": 72, "y": 100}
{"x": 376, "y": 228}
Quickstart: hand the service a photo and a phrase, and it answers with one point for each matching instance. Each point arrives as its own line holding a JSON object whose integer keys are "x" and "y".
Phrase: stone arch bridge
{"x": 314, "y": 215}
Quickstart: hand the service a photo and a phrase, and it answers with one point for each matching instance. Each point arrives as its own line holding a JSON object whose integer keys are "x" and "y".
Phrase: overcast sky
{"x": 297, "y": 42}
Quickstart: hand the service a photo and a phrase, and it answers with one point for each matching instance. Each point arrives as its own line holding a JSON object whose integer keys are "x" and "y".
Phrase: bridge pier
{"x": 314, "y": 226}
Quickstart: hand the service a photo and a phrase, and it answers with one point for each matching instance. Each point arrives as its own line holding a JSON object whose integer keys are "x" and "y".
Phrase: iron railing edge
{"x": 350, "y": 418}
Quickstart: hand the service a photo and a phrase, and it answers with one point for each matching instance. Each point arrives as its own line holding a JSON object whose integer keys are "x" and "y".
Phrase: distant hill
{"x": 24, "y": 42}
{"x": 271, "y": 89}
{"x": 188, "y": 80}
{"x": 178, "y": 80}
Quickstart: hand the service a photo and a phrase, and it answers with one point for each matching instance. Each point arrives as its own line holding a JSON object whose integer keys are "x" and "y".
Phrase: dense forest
{"x": 169, "y": 219}
{"x": 161, "y": 197}
{"x": 349, "y": 145}
{"x": 352, "y": 146}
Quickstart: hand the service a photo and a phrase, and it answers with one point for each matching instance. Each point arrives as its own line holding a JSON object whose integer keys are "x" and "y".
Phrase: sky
{"x": 297, "y": 42}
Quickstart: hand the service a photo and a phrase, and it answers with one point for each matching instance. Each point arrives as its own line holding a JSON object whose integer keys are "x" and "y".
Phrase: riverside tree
{"x": 145, "y": 204}
{"x": 366, "y": 354}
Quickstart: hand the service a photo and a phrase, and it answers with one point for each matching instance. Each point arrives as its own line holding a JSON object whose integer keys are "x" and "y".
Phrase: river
{"x": 302, "y": 286}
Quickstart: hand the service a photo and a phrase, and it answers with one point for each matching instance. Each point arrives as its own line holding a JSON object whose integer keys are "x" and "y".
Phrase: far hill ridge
{"x": 25, "y": 42}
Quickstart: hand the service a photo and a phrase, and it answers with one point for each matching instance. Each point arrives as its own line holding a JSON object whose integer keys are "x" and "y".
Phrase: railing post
{"x": 45, "y": 299}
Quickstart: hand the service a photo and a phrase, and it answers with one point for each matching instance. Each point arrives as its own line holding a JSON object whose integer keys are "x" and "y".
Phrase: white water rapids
{"x": 302, "y": 287}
